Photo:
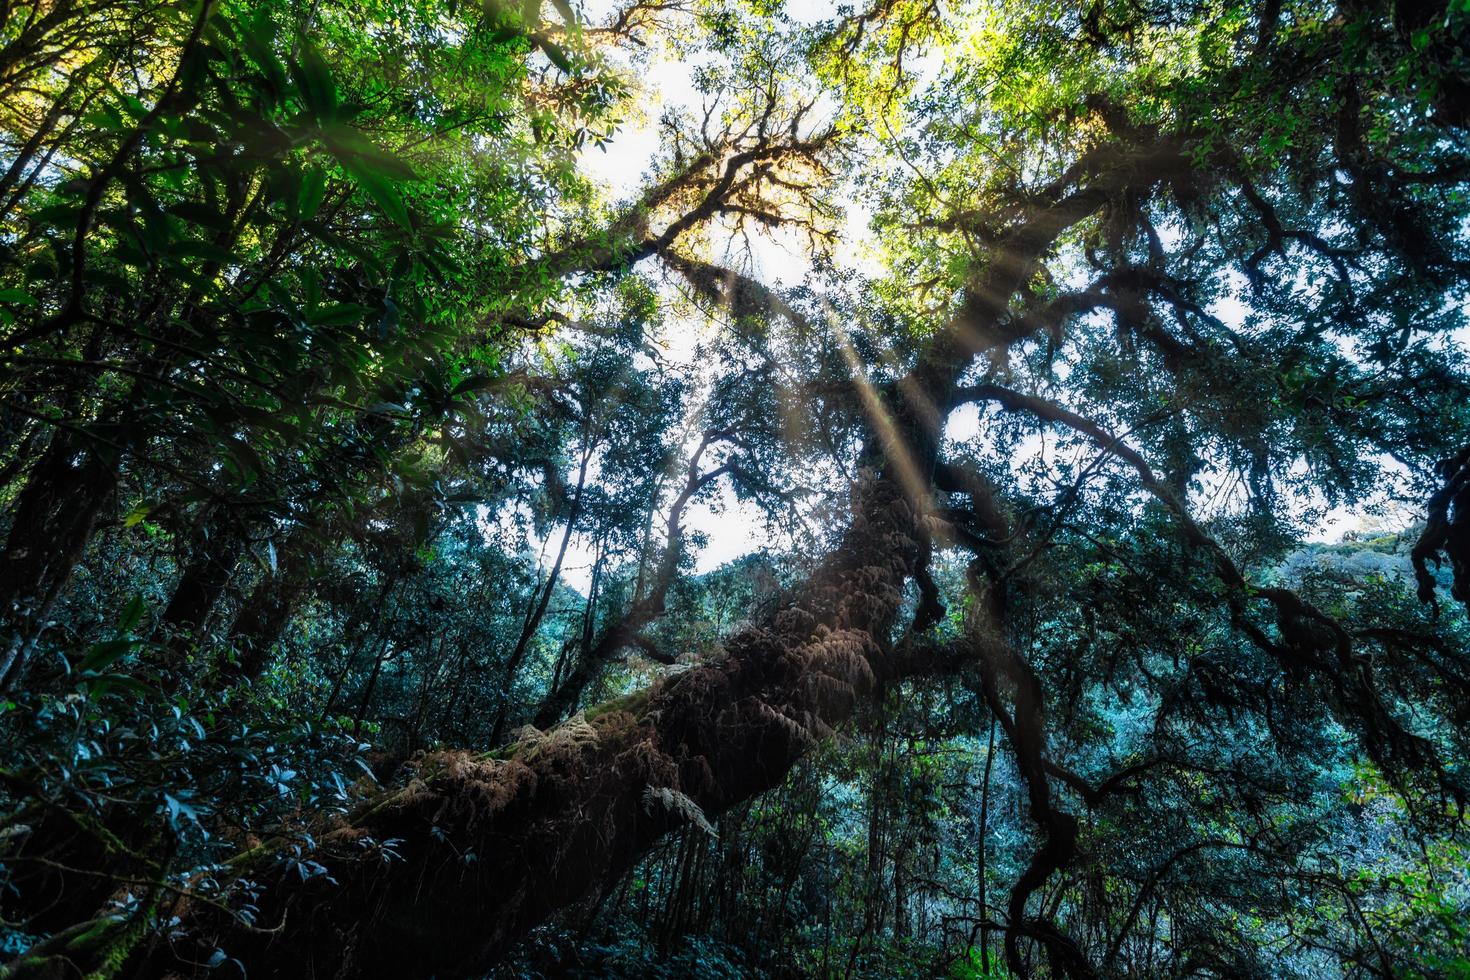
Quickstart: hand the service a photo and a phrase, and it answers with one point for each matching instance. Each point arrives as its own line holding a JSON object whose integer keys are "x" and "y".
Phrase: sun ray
{"x": 895, "y": 448}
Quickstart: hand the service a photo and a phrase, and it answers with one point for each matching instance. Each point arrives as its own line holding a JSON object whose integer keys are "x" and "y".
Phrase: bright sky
{"x": 733, "y": 529}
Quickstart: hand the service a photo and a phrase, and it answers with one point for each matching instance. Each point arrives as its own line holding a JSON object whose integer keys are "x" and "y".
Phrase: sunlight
{"x": 454, "y": 461}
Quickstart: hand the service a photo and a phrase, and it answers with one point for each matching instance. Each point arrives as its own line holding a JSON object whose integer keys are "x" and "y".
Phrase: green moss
{"x": 97, "y": 949}
{"x": 632, "y": 703}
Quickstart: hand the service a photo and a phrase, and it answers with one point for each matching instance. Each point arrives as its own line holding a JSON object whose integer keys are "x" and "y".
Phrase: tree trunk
{"x": 982, "y": 843}
{"x": 540, "y": 600}
{"x": 565, "y": 812}
{"x": 53, "y": 521}
{"x": 646, "y": 607}
{"x": 264, "y": 615}
{"x": 206, "y": 574}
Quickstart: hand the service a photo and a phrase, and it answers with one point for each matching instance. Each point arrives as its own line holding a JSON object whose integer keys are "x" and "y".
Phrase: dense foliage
{"x": 359, "y": 443}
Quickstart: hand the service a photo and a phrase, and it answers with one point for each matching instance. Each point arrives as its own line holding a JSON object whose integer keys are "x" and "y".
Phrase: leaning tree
{"x": 1195, "y": 252}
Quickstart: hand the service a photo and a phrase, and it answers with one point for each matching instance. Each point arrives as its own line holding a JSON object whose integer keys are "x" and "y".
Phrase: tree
{"x": 1195, "y": 268}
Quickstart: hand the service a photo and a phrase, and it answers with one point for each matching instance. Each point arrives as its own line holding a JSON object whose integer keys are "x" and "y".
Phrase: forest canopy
{"x": 971, "y": 488}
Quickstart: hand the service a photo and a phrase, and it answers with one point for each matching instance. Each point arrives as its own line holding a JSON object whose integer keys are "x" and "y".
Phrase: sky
{"x": 732, "y": 528}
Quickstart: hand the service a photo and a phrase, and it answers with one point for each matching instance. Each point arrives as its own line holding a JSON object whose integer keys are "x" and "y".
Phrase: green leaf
{"x": 179, "y": 810}
{"x": 313, "y": 189}
{"x": 382, "y": 191}
{"x": 385, "y": 408}
{"x": 256, "y": 39}
{"x": 338, "y": 315}
{"x": 311, "y": 286}
{"x": 557, "y": 55}
{"x": 139, "y": 512}
{"x": 131, "y": 614}
{"x": 475, "y": 383}
{"x": 375, "y": 171}
{"x": 245, "y": 456}
{"x": 17, "y": 297}
{"x": 106, "y": 118}
{"x": 105, "y": 654}
{"x": 359, "y": 154}
{"x": 314, "y": 81}
{"x": 104, "y": 683}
